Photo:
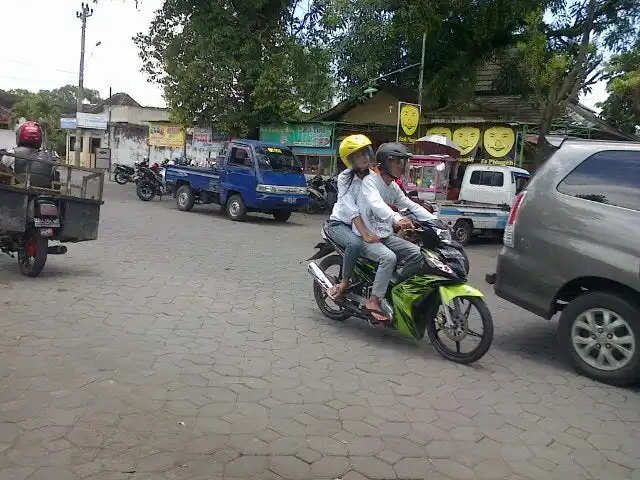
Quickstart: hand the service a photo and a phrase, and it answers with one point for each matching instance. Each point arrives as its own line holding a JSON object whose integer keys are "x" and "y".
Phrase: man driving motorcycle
{"x": 378, "y": 191}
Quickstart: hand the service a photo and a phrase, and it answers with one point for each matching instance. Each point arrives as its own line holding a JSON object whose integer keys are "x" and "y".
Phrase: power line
{"x": 39, "y": 66}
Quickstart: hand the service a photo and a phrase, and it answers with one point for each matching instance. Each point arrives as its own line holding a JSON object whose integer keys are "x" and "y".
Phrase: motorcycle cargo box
{"x": 80, "y": 219}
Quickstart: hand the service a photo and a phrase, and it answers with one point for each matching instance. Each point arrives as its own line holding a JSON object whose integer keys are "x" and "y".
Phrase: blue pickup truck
{"x": 252, "y": 177}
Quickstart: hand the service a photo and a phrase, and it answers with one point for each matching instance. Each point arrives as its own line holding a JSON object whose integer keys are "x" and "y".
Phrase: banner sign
{"x": 165, "y": 135}
{"x": 315, "y": 135}
{"x": 487, "y": 144}
{"x": 408, "y": 120}
{"x": 202, "y": 137}
{"x": 93, "y": 121}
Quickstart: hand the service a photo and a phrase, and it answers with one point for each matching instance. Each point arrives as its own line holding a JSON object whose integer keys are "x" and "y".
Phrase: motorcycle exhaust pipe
{"x": 319, "y": 276}
{"x": 57, "y": 250}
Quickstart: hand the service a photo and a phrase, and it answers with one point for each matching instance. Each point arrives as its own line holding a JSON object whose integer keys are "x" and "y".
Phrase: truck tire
{"x": 34, "y": 256}
{"x": 282, "y": 216}
{"x": 462, "y": 231}
{"x": 235, "y": 208}
{"x": 185, "y": 198}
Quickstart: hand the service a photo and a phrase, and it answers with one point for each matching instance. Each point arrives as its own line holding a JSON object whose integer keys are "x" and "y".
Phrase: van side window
{"x": 611, "y": 177}
{"x": 487, "y": 178}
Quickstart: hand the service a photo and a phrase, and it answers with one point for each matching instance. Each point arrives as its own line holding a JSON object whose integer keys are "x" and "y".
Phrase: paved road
{"x": 185, "y": 346}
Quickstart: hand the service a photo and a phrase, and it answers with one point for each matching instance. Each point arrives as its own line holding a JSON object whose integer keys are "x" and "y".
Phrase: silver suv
{"x": 572, "y": 245}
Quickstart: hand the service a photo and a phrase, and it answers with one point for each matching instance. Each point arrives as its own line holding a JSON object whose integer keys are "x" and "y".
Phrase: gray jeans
{"x": 388, "y": 252}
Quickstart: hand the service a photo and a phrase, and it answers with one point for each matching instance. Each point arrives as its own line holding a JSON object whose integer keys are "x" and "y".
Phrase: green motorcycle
{"x": 433, "y": 297}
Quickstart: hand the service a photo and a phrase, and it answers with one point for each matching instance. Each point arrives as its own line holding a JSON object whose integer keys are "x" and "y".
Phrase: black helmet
{"x": 390, "y": 151}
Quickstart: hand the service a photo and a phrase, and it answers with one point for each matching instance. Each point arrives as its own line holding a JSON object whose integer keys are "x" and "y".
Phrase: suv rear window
{"x": 487, "y": 178}
{"x": 611, "y": 177}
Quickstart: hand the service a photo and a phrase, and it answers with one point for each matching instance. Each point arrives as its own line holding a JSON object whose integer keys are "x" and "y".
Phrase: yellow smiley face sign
{"x": 467, "y": 138}
{"x": 499, "y": 141}
{"x": 442, "y": 131}
{"x": 409, "y": 119}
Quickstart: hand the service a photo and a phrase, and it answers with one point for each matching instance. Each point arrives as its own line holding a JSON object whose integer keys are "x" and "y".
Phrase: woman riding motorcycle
{"x": 356, "y": 152}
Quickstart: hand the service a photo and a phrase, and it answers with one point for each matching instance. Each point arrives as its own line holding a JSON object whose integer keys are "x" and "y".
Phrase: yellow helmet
{"x": 352, "y": 145}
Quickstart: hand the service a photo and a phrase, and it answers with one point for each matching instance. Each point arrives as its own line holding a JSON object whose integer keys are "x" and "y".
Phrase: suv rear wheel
{"x": 599, "y": 333}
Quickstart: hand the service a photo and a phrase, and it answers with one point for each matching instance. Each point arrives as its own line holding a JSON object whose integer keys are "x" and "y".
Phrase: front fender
{"x": 449, "y": 292}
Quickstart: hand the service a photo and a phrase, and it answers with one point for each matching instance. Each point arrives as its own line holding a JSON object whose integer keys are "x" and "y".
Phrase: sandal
{"x": 375, "y": 315}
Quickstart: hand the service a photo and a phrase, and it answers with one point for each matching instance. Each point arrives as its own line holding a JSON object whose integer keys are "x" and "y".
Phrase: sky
{"x": 44, "y": 50}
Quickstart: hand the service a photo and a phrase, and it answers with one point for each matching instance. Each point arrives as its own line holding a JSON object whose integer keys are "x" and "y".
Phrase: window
{"x": 240, "y": 157}
{"x": 520, "y": 181}
{"x": 317, "y": 165}
{"x": 487, "y": 178}
{"x": 611, "y": 177}
{"x": 274, "y": 158}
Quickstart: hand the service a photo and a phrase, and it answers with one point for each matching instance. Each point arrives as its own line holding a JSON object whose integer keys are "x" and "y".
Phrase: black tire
{"x": 282, "y": 216}
{"x": 235, "y": 208}
{"x": 185, "y": 198}
{"x": 623, "y": 307}
{"x": 462, "y": 232}
{"x": 462, "y": 358}
{"x": 320, "y": 296}
{"x": 145, "y": 190}
{"x": 121, "y": 179}
{"x": 32, "y": 266}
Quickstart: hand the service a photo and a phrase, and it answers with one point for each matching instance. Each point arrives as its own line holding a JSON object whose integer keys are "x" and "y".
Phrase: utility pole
{"x": 420, "y": 81}
{"x": 83, "y": 14}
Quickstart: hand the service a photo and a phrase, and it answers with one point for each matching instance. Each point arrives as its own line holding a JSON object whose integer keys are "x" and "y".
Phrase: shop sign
{"x": 166, "y": 135}
{"x": 487, "y": 144}
{"x": 316, "y": 135}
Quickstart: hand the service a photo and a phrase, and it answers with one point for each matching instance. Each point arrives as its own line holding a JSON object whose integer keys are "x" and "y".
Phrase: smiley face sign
{"x": 408, "y": 120}
{"x": 439, "y": 130}
{"x": 499, "y": 141}
{"x": 467, "y": 138}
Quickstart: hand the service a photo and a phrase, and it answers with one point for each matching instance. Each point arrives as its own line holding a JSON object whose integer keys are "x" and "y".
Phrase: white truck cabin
{"x": 492, "y": 185}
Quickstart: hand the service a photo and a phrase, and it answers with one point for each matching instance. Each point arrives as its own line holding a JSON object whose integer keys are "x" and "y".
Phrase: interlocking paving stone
{"x": 186, "y": 346}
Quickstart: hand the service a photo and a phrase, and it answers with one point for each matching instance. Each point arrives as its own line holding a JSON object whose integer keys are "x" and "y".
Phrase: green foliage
{"x": 622, "y": 108}
{"x": 234, "y": 65}
{"x": 380, "y": 36}
{"x": 46, "y": 107}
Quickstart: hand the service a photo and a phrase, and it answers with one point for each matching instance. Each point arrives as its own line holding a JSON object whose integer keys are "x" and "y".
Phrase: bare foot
{"x": 337, "y": 291}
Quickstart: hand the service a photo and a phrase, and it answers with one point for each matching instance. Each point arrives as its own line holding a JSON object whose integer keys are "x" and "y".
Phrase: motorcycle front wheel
{"x": 439, "y": 333}
{"x": 145, "y": 191}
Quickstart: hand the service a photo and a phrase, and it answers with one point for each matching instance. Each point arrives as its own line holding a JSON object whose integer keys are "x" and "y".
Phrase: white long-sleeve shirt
{"x": 373, "y": 204}
{"x": 8, "y": 161}
{"x": 346, "y": 208}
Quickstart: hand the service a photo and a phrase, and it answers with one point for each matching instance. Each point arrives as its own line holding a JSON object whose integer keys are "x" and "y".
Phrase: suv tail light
{"x": 508, "y": 237}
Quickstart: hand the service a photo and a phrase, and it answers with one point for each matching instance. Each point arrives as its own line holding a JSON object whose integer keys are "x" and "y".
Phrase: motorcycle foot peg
{"x": 57, "y": 250}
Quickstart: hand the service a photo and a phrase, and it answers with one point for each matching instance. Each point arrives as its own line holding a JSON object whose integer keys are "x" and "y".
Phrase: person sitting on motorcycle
{"x": 378, "y": 191}
{"x": 29, "y": 138}
{"x": 356, "y": 152}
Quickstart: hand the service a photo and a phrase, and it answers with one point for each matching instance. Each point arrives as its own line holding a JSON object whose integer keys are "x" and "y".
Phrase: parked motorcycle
{"x": 317, "y": 201}
{"x": 331, "y": 191}
{"x": 431, "y": 299}
{"x": 149, "y": 182}
{"x": 124, "y": 174}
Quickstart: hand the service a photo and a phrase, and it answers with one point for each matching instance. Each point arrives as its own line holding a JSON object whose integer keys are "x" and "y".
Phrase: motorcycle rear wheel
{"x": 454, "y": 355}
{"x": 340, "y": 314}
{"x": 145, "y": 191}
{"x": 34, "y": 256}
{"x": 121, "y": 179}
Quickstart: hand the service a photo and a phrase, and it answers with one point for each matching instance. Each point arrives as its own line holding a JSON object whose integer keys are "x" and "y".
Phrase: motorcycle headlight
{"x": 444, "y": 235}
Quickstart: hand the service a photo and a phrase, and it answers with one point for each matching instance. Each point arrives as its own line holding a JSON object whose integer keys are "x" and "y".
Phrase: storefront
{"x": 310, "y": 142}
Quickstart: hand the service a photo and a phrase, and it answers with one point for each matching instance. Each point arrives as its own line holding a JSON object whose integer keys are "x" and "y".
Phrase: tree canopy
{"x": 234, "y": 65}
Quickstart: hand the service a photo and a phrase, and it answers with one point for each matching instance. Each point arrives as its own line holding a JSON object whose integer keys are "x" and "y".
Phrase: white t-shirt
{"x": 373, "y": 204}
{"x": 345, "y": 208}
{"x": 8, "y": 161}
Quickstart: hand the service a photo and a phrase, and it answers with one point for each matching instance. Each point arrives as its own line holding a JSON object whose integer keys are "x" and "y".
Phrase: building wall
{"x": 137, "y": 115}
{"x": 381, "y": 109}
{"x": 7, "y": 139}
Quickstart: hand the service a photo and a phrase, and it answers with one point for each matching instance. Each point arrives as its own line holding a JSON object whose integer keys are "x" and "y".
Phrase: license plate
{"x": 290, "y": 200}
{"x": 46, "y": 222}
{"x": 46, "y": 232}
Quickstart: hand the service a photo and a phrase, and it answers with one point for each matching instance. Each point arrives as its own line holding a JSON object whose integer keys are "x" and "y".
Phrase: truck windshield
{"x": 273, "y": 158}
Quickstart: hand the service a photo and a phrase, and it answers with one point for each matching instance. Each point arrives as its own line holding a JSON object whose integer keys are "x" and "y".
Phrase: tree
{"x": 561, "y": 58}
{"x": 622, "y": 108}
{"x": 234, "y": 65}
{"x": 46, "y": 107}
{"x": 461, "y": 36}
